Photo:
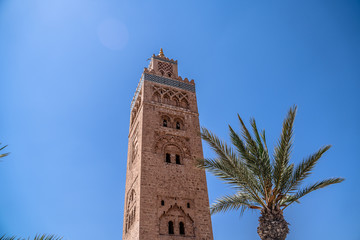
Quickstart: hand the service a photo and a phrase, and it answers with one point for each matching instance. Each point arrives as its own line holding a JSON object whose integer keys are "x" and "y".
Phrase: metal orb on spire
{"x": 161, "y": 53}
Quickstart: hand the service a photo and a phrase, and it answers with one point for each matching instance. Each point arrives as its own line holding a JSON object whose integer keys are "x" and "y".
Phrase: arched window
{"x": 175, "y": 101}
{"x": 184, "y": 103}
{"x": 166, "y": 99}
{"x": 172, "y": 154}
{"x": 171, "y": 227}
{"x": 169, "y": 74}
{"x": 181, "y": 228}
{"x": 162, "y": 72}
{"x": 165, "y": 123}
{"x": 168, "y": 158}
{"x": 188, "y": 205}
{"x": 156, "y": 97}
{"x": 162, "y": 203}
{"x": 177, "y": 158}
{"x": 177, "y": 125}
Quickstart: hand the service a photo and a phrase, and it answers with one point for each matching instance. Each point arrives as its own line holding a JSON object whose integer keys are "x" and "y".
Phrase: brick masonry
{"x": 166, "y": 196}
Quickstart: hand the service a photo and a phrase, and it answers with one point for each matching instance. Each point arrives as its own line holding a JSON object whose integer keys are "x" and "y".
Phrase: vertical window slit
{"x": 181, "y": 228}
{"x": 168, "y": 158}
{"x": 171, "y": 227}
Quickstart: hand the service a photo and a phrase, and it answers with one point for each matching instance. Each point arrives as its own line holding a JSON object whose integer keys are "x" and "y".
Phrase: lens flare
{"x": 113, "y": 34}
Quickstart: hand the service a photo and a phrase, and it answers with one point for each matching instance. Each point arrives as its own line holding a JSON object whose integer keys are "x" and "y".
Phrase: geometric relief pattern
{"x": 165, "y": 68}
{"x": 170, "y": 97}
{"x": 130, "y": 210}
{"x": 163, "y": 142}
{"x": 177, "y": 217}
{"x": 135, "y": 108}
{"x": 134, "y": 146}
{"x": 170, "y": 82}
{"x": 133, "y": 150}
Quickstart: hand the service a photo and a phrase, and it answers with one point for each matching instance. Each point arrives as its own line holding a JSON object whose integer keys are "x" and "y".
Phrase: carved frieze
{"x": 163, "y": 140}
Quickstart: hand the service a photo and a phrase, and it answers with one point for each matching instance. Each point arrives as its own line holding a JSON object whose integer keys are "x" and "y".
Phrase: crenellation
{"x": 178, "y": 78}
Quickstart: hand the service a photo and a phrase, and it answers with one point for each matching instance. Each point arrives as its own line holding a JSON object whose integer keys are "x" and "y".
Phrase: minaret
{"x": 166, "y": 196}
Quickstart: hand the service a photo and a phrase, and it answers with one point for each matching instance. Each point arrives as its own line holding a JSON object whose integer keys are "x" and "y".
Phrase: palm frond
{"x": 245, "y": 154}
{"x": 286, "y": 178}
{"x": 283, "y": 148}
{"x": 3, "y": 154}
{"x": 263, "y": 155}
{"x": 261, "y": 182}
{"x": 239, "y": 177}
{"x": 4, "y": 237}
{"x": 304, "y": 169}
{"x": 254, "y": 154}
{"x": 219, "y": 146}
{"x": 286, "y": 198}
{"x": 237, "y": 201}
{"x": 263, "y": 137}
{"x": 47, "y": 237}
{"x": 227, "y": 163}
{"x": 249, "y": 140}
{"x": 302, "y": 192}
{"x": 223, "y": 171}
{"x": 37, "y": 237}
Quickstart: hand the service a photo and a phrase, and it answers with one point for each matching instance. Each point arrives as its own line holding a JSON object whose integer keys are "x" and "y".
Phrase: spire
{"x": 161, "y": 53}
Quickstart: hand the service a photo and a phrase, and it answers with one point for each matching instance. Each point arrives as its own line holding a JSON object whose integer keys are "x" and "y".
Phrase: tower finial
{"x": 161, "y": 53}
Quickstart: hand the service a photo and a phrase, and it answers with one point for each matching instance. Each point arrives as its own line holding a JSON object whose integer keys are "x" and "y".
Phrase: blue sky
{"x": 69, "y": 68}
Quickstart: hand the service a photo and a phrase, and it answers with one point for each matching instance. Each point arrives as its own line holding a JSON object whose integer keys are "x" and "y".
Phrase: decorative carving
{"x": 177, "y": 216}
{"x": 165, "y": 69}
{"x": 180, "y": 142}
{"x": 135, "y": 108}
{"x": 133, "y": 147}
{"x": 130, "y": 210}
{"x": 174, "y": 81}
{"x": 170, "y": 97}
{"x": 165, "y": 121}
{"x": 173, "y": 121}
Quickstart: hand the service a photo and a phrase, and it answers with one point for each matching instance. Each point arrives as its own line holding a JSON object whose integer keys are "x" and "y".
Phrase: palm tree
{"x": 269, "y": 184}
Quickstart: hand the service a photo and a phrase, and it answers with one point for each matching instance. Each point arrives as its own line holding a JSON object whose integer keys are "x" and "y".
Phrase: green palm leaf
{"x": 228, "y": 167}
{"x": 261, "y": 182}
{"x": 302, "y": 192}
{"x": 37, "y": 237}
{"x": 258, "y": 179}
{"x": 237, "y": 201}
{"x": 283, "y": 149}
{"x": 3, "y": 154}
{"x": 304, "y": 169}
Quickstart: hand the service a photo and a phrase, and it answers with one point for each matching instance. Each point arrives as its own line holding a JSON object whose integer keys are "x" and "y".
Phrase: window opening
{"x": 177, "y": 158}
{"x": 168, "y": 158}
{"x": 188, "y": 205}
{"x": 165, "y": 123}
{"x": 182, "y": 228}
{"x": 162, "y": 203}
{"x": 177, "y": 125}
{"x": 171, "y": 227}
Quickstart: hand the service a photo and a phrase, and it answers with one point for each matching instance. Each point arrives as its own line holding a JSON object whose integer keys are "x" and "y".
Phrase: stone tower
{"x": 166, "y": 196}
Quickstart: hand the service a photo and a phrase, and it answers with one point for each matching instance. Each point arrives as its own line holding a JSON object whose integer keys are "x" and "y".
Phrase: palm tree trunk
{"x": 272, "y": 225}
